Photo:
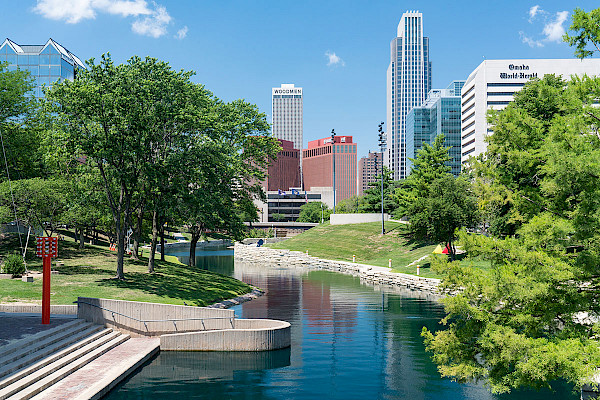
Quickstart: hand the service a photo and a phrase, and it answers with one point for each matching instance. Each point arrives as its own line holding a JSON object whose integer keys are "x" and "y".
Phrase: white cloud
{"x": 154, "y": 25}
{"x": 182, "y": 33}
{"x": 153, "y": 19}
{"x": 533, "y": 11}
{"x": 333, "y": 59}
{"x": 554, "y": 30}
{"x": 530, "y": 41}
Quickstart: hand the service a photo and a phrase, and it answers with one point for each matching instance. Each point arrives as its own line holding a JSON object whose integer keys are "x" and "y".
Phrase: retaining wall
{"x": 37, "y": 309}
{"x": 344, "y": 219}
{"x": 203, "y": 318}
{"x": 367, "y": 273}
{"x": 248, "y": 335}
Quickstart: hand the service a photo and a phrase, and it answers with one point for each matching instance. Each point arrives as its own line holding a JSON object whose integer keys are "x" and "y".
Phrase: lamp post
{"x": 322, "y": 220}
{"x": 333, "y": 157}
{"x": 382, "y": 147}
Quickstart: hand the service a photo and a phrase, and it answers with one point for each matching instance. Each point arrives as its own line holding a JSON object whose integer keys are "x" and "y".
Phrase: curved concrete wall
{"x": 215, "y": 318}
{"x": 344, "y": 219}
{"x": 248, "y": 335}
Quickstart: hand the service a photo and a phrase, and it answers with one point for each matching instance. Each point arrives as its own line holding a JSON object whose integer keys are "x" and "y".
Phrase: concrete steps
{"x": 33, "y": 364}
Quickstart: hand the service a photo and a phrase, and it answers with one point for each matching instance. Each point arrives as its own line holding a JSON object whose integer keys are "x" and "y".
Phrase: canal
{"x": 350, "y": 340}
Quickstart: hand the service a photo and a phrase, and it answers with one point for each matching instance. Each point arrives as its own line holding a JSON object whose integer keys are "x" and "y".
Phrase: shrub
{"x": 14, "y": 265}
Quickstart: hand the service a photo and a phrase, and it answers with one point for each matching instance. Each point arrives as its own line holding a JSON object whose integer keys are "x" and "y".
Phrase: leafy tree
{"x": 351, "y": 205}
{"x": 533, "y": 317}
{"x": 371, "y": 201}
{"x": 586, "y": 32}
{"x": 314, "y": 211}
{"x": 430, "y": 164}
{"x": 448, "y": 206}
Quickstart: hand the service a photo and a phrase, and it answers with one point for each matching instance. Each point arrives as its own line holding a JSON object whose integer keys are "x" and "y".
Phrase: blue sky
{"x": 338, "y": 51}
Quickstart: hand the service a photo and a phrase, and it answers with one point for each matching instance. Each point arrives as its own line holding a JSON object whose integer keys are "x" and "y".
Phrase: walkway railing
{"x": 174, "y": 320}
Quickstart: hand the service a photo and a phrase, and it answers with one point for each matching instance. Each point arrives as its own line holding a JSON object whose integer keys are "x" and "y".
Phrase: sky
{"x": 337, "y": 51}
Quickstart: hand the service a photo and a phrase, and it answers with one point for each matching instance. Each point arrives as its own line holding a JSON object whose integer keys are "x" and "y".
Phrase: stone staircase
{"x": 31, "y": 365}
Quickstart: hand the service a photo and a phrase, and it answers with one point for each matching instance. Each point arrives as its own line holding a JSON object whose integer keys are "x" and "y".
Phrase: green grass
{"x": 90, "y": 272}
{"x": 340, "y": 242}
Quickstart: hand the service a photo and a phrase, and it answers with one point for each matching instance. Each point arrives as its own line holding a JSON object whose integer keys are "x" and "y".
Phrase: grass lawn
{"x": 340, "y": 242}
{"x": 89, "y": 273}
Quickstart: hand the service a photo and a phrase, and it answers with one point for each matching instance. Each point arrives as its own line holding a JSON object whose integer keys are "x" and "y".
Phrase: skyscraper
{"x": 408, "y": 82}
{"x": 47, "y": 63}
{"x": 440, "y": 113}
{"x": 287, "y": 114}
{"x": 368, "y": 169}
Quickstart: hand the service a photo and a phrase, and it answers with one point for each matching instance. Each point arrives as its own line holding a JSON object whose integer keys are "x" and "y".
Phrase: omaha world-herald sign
{"x": 287, "y": 91}
{"x": 516, "y": 74}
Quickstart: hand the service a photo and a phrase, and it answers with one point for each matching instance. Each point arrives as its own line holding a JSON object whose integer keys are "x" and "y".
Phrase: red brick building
{"x": 284, "y": 172}
{"x": 317, "y": 165}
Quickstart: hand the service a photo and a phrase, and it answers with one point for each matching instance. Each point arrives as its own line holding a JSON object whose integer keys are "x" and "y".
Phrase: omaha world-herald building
{"x": 492, "y": 86}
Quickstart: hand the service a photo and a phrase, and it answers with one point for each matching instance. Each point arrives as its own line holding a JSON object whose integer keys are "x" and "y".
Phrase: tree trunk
{"x": 154, "y": 240}
{"x": 193, "y": 242}
{"x": 120, "y": 251}
{"x": 162, "y": 242}
{"x": 81, "y": 238}
{"x": 137, "y": 234}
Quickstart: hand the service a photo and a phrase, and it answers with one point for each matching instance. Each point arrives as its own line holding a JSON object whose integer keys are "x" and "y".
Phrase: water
{"x": 349, "y": 341}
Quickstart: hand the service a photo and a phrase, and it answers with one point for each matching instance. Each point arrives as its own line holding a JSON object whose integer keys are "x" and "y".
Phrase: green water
{"x": 349, "y": 341}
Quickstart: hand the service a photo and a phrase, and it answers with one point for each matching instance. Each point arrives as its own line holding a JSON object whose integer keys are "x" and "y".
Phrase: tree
{"x": 112, "y": 115}
{"x": 586, "y": 32}
{"x": 533, "y": 317}
{"x": 448, "y": 206}
{"x": 371, "y": 201}
{"x": 314, "y": 211}
{"x": 431, "y": 163}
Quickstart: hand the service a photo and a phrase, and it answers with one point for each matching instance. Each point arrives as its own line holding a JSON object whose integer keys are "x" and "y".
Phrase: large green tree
{"x": 314, "y": 211}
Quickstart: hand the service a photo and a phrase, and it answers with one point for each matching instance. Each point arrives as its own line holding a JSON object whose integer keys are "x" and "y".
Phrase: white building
{"x": 492, "y": 86}
{"x": 287, "y": 114}
{"x": 408, "y": 82}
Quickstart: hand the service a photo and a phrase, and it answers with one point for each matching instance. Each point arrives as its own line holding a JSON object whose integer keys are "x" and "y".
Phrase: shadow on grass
{"x": 181, "y": 282}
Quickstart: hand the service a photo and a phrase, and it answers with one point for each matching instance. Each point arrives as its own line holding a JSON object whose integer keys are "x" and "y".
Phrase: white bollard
{"x": 390, "y": 263}
{"x": 418, "y": 269}
{"x": 353, "y": 258}
{"x": 306, "y": 252}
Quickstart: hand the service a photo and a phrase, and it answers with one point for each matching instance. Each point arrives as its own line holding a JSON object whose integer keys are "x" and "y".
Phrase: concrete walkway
{"x": 98, "y": 377}
{"x": 15, "y": 327}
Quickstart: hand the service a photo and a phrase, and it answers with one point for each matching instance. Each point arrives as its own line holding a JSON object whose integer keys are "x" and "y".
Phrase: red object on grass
{"x": 47, "y": 247}
{"x": 446, "y": 250}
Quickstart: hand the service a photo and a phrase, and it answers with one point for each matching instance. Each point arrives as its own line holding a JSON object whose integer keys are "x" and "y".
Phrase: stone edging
{"x": 256, "y": 292}
{"x": 368, "y": 273}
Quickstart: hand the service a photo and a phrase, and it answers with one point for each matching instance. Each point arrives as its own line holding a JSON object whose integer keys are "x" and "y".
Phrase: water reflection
{"x": 349, "y": 340}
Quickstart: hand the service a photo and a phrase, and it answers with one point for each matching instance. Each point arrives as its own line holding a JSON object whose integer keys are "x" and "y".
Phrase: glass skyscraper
{"x": 408, "y": 82}
{"x": 47, "y": 63}
{"x": 440, "y": 113}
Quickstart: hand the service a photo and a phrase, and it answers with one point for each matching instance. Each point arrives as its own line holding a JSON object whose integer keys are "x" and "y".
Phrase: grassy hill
{"x": 89, "y": 272}
{"x": 340, "y": 242}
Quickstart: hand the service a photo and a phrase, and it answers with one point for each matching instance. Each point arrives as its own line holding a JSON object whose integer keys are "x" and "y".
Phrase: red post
{"x": 47, "y": 247}
{"x": 46, "y": 291}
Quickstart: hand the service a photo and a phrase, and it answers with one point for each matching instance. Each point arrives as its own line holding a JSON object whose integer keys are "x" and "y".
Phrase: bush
{"x": 260, "y": 233}
{"x": 14, "y": 265}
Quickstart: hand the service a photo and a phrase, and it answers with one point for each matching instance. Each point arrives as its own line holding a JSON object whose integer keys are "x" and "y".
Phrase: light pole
{"x": 333, "y": 157}
{"x": 322, "y": 213}
{"x": 382, "y": 147}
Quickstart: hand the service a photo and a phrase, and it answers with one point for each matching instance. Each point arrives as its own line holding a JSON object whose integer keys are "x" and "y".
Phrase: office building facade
{"x": 284, "y": 171}
{"x": 287, "y": 114}
{"x": 369, "y": 168}
{"x": 440, "y": 113}
{"x": 47, "y": 63}
{"x": 408, "y": 82}
{"x": 318, "y": 164}
{"x": 492, "y": 85}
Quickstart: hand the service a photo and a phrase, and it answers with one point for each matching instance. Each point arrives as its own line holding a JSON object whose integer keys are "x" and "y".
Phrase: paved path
{"x": 18, "y": 326}
{"x": 96, "y": 378}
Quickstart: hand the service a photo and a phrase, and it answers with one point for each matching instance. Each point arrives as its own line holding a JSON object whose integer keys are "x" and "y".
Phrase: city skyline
{"x": 340, "y": 60}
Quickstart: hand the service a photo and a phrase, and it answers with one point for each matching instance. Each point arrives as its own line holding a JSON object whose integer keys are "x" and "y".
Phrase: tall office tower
{"x": 287, "y": 114}
{"x": 408, "y": 82}
{"x": 440, "y": 113}
{"x": 47, "y": 63}
{"x": 369, "y": 168}
{"x": 318, "y": 166}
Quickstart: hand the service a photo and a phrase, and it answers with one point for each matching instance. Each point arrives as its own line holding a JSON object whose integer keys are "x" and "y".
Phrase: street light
{"x": 382, "y": 147}
{"x": 333, "y": 156}
{"x": 322, "y": 212}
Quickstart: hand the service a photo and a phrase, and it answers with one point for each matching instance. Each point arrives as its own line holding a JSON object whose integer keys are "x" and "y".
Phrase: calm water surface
{"x": 349, "y": 341}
